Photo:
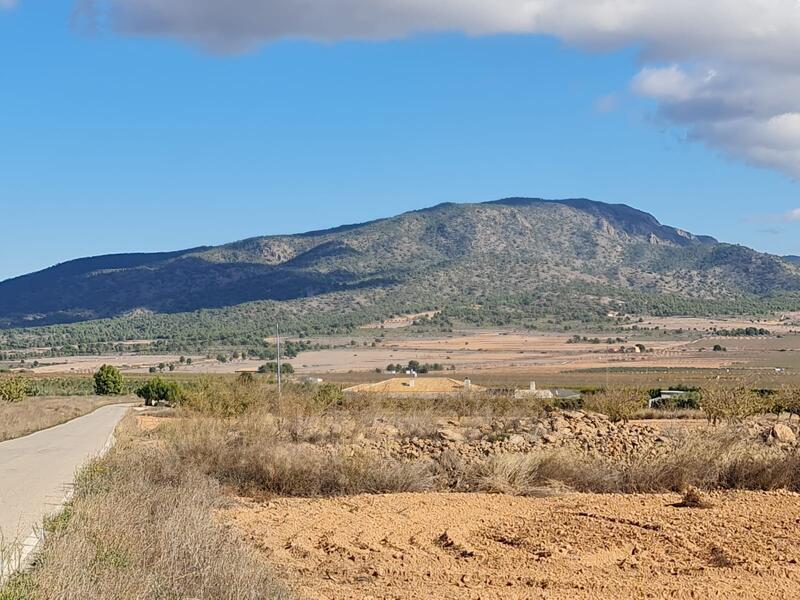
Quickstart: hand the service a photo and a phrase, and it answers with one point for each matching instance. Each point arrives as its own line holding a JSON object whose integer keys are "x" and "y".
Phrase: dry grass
{"x": 141, "y": 526}
{"x": 662, "y": 414}
{"x": 262, "y": 453}
{"x": 322, "y": 456}
{"x": 703, "y": 461}
{"x": 618, "y": 403}
{"x": 34, "y": 414}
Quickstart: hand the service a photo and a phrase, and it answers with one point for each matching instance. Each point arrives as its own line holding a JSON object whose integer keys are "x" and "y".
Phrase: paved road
{"x": 36, "y": 471}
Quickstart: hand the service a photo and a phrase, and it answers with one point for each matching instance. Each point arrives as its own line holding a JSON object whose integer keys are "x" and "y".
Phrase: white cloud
{"x": 727, "y": 70}
{"x": 792, "y": 216}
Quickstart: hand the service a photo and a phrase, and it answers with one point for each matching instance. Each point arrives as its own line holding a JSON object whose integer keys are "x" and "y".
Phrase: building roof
{"x": 412, "y": 385}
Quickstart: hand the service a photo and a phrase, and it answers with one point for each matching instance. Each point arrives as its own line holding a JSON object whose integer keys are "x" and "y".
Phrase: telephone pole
{"x": 278, "y": 356}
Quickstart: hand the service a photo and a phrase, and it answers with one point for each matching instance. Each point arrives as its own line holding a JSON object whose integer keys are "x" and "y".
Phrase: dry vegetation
{"x": 140, "y": 527}
{"x": 34, "y": 414}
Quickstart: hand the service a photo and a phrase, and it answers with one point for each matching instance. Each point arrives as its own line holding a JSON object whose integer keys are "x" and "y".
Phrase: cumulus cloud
{"x": 726, "y": 70}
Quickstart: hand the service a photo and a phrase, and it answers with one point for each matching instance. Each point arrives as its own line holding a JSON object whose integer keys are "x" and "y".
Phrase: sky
{"x": 149, "y": 125}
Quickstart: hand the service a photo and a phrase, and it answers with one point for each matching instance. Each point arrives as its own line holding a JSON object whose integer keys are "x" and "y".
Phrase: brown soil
{"x": 149, "y": 423}
{"x": 471, "y": 546}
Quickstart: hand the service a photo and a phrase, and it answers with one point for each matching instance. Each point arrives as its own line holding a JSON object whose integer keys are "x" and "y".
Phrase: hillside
{"x": 463, "y": 255}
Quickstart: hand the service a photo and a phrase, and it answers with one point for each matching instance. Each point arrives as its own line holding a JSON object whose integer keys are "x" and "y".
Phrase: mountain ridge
{"x": 444, "y": 252}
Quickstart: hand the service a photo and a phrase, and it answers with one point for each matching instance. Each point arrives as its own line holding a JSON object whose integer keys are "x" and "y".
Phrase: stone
{"x": 783, "y": 434}
{"x": 450, "y": 435}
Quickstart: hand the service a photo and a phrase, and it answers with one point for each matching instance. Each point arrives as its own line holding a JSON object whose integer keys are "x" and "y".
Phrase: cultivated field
{"x": 598, "y": 546}
{"x": 500, "y": 357}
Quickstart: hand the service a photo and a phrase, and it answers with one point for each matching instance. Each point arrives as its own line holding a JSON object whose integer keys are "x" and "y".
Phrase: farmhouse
{"x": 420, "y": 387}
{"x": 532, "y": 392}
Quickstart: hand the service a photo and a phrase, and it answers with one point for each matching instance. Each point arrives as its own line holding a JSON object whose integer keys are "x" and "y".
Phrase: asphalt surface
{"x": 37, "y": 471}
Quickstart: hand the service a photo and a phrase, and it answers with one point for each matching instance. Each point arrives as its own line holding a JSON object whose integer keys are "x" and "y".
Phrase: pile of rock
{"x": 592, "y": 434}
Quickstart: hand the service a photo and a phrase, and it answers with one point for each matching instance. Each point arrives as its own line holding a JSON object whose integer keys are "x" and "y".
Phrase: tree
{"x": 158, "y": 391}
{"x": 271, "y": 367}
{"x": 731, "y": 403}
{"x": 108, "y": 381}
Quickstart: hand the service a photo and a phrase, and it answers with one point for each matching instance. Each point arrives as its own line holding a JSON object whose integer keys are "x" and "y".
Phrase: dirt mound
{"x": 415, "y": 546}
{"x": 590, "y": 433}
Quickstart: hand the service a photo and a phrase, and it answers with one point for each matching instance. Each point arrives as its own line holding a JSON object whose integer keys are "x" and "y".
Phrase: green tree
{"x": 157, "y": 390}
{"x": 271, "y": 367}
{"x": 108, "y": 381}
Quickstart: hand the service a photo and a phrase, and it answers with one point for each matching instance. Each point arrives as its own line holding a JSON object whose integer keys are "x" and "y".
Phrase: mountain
{"x": 793, "y": 259}
{"x": 465, "y": 254}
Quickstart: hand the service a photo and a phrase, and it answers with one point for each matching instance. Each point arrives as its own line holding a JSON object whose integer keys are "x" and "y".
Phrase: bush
{"x": 787, "y": 400}
{"x": 271, "y": 367}
{"x": 108, "y": 381}
{"x": 328, "y": 394}
{"x": 160, "y": 391}
{"x": 619, "y": 404}
{"x": 732, "y": 403}
{"x": 217, "y": 397}
{"x": 13, "y": 389}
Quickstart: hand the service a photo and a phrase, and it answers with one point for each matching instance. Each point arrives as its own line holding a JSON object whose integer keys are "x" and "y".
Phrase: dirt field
{"x": 140, "y": 363}
{"x": 470, "y": 546}
{"x": 503, "y": 358}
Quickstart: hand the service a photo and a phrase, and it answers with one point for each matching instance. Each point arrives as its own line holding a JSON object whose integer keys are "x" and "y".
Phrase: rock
{"x": 516, "y": 440}
{"x": 783, "y": 434}
{"x": 450, "y": 435}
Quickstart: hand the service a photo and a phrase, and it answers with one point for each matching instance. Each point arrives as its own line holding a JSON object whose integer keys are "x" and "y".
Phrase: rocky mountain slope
{"x": 447, "y": 252}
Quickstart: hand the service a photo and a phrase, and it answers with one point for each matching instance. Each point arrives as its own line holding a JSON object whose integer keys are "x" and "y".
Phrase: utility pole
{"x": 278, "y": 356}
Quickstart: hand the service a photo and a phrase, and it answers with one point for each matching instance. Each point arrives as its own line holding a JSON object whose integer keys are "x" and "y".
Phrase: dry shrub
{"x": 731, "y": 403}
{"x": 258, "y": 455}
{"x": 617, "y": 403}
{"x": 523, "y": 475}
{"x": 676, "y": 414}
{"x": 13, "y": 388}
{"x": 141, "y": 526}
{"x": 788, "y": 400}
{"x": 223, "y": 398}
{"x": 692, "y": 498}
{"x": 722, "y": 460}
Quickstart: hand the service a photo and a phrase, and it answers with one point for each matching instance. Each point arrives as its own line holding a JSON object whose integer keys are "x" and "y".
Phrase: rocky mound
{"x": 589, "y": 433}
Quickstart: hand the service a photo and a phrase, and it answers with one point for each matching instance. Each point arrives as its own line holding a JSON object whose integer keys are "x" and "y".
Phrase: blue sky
{"x": 115, "y": 142}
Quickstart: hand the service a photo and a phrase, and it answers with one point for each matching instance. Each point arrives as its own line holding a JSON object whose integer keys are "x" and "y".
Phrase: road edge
{"x": 30, "y": 546}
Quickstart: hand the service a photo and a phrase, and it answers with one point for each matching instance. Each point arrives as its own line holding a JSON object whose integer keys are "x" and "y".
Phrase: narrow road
{"x": 36, "y": 471}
